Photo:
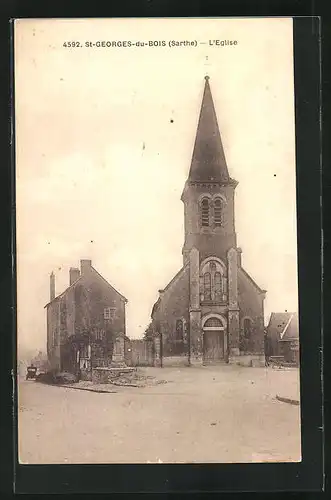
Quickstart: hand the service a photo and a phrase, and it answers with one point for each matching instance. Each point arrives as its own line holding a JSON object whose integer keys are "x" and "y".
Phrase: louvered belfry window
{"x": 205, "y": 212}
{"x": 218, "y": 212}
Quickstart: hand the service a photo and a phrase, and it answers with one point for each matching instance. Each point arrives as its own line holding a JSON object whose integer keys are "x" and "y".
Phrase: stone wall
{"x": 92, "y": 296}
{"x": 253, "y": 360}
{"x": 173, "y": 306}
{"x": 176, "y": 361}
{"x": 107, "y": 375}
{"x": 250, "y": 301}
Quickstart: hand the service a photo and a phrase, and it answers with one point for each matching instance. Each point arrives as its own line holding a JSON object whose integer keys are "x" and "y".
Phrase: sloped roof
{"x": 155, "y": 306}
{"x": 180, "y": 272}
{"x": 245, "y": 273}
{"x": 175, "y": 277}
{"x": 79, "y": 279}
{"x": 283, "y": 325}
{"x": 110, "y": 286}
{"x": 291, "y": 330}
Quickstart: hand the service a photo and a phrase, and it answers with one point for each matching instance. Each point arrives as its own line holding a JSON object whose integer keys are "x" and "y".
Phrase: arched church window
{"x": 207, "y": 286}
{"x": 218, "y": 286}
{"x": 218, "y": 212}
{"x": 213, "y": 281}
{"x": 247, "y": 328}
{"x": 179, "y": 329}
{"x": 205, "y": 212}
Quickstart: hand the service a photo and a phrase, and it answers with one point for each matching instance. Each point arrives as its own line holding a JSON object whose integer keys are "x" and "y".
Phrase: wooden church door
{"x": 213, "y": 340}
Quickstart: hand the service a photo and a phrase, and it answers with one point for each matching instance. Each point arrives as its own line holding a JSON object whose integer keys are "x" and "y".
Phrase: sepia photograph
{"x": 156, "y": 230}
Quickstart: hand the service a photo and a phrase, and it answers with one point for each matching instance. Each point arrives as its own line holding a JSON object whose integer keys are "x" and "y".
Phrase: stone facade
{"x": 83, "y": 322}
{"x": 173, "y": 307}
{"x": 212, "y": 310}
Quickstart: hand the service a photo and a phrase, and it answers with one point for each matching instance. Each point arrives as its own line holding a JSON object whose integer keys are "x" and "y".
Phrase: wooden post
{"x": 90, "y": 353}
{"x": 161, "y": 348}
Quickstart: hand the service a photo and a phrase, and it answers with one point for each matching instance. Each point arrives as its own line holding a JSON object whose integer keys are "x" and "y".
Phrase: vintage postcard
{"x": 157, "y": 290}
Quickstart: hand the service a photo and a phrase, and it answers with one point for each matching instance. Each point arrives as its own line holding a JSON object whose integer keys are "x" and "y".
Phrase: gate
{"x": 142, "y": 353}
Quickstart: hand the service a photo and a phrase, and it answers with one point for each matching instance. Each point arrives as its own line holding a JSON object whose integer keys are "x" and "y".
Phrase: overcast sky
{"x": 101, "y": 167}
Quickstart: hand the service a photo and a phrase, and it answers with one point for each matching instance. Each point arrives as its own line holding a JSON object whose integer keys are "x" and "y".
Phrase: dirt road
{"x": 207, "y": 414}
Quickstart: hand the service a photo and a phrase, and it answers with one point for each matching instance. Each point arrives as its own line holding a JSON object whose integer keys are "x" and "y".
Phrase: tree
{"x": 149, "y": 332}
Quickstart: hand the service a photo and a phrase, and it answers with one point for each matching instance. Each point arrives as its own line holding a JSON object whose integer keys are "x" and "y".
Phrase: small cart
{"x": 31, "y": 372}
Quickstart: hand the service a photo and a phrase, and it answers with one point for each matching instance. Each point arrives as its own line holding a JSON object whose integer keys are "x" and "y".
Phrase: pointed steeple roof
{"x": 208, "y": 159}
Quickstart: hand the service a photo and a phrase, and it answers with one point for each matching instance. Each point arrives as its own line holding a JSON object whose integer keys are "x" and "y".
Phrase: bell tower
{"x": 208, "y": 194}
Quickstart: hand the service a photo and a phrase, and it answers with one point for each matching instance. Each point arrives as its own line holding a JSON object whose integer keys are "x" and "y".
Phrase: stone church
{"x": 212, "y": 310}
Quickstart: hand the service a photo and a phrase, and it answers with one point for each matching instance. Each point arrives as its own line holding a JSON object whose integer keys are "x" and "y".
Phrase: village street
{"x": 205, "y": 414}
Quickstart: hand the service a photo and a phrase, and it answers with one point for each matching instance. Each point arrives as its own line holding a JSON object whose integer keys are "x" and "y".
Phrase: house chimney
{"x": 85, "y": 266}
{"x": 52, "y": 286}
{"x": 74, "y": 274}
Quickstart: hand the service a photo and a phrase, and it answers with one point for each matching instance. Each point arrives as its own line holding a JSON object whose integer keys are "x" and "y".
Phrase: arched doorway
{"x": 214, "y": 338}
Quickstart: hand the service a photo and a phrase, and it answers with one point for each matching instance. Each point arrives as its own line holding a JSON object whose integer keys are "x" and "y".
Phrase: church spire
{"x": 208, "y": 159}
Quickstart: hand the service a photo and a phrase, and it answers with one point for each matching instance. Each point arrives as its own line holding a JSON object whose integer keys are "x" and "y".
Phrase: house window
{"x": 205, "y": 212}
{"x": 109, "y": 312}
{"x": 218, "y": 212}
{"x": 99, "y": 334}
{"x": 207, "y": 286}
